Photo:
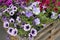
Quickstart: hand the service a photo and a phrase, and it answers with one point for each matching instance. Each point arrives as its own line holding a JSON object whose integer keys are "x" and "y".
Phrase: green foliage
{"x": 23, "y": 33}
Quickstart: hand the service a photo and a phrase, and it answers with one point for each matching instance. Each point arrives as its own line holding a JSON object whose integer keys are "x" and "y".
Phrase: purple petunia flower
{"x": 6, "y": 24}
{"x": 37, "y": 21}
{"x": 0, "y": 1}
{"x": 11, "y": 20}
{"x": 18, "y": 19}
{"x": 33, "y": 32}
{"x": 59, "y": 15}
{"x": 12, "y": 31}
{"x": 4, "y": 18}
{"x": 8, "y": 2}
{"x": 29, "y": 14}
{"x": 15, "y": 31}
{"x": 30, "y": 36}
{"x": 27, "y": 27}
{"x": 11, "y": 13}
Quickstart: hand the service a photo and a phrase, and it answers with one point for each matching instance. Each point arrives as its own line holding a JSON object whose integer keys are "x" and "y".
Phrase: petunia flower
{"x": 0, "y": 1}
{"x": 18, "y": 19}
{"x": 36, "y": 11}
{"x": 55, "y": 9}
{"x": 58, "y": 3}
{"x": 37, "y": 21}
{"x": 11, "y": 13}
{"x": 43, "y": 1}
{"x": 14, "y": 8}
{"x": 28, "y": 14}
{"x": 59, "y": 16}
{"x": 23, "y": 12}
{"x": 30, "y": 36}
{"x": 53, "y": 1}
{"x": 11, "y": 20}
{"x": 15, "y": 31}
{"x": 11, "y": 6}
{"x": 5, "y": 24}
{"x": 33, "y": 32}
{"x": 10, "y": 31}
{"x": 27, "y": 27}
{"x": 54, "y": 15}
{"x": 8, "y": 2}
{"x": 47, "y": 2}
{"x": 7, "y": 10}
{"x": 4, "y": 18}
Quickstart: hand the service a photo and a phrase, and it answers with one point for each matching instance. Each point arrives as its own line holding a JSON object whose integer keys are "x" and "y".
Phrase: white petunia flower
{"x": 6, "y": 24}
{"x": 11, "y": 6}
{"x": 15, "y": 31}
{"x": 30, "y": 36}
{"x": 11, "y": 20}
{"x": 18, "y": 19}
{"x": 23, "y": 12}
{"x": 27, "y": 27}
{"x": 10, "y": 31}
{"x": 33, "y": 32}
{"x": 14, "y": 8}
{"x": 37, "y": 21}
{"x": 6, "y": 10}
{"x": 54, "y": 15}
{"x": 36, "y": 11}
{"x": 11, "y": 13}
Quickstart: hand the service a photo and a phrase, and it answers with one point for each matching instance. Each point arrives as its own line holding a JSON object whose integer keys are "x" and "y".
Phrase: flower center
{"x": 6, "y": 24}
{"x": 15, "y": 32}
{"x": 14, "y": 8}
{"x": 11, "y": 20}
{"x": 11, "y": 13}
{"x": 33, "y": 31}
{"x": 27, "y": 27}
{"x": 10, "y": 30}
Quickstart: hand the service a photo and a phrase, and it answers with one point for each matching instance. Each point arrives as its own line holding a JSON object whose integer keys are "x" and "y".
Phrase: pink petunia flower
{"x": 8, "y": 2}
{"x": 58, "y": 3}
{"x": 47, "y": 2}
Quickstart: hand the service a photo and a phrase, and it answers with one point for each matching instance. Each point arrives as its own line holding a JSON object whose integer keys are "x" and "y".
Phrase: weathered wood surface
{"x": 48, "y": 31}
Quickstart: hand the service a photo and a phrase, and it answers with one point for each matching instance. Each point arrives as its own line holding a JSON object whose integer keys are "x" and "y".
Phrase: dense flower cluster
{"x": 26, "y": 18}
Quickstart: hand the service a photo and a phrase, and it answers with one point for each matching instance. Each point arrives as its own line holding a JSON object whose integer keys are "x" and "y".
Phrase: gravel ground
{"x": 3, "y": 33}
